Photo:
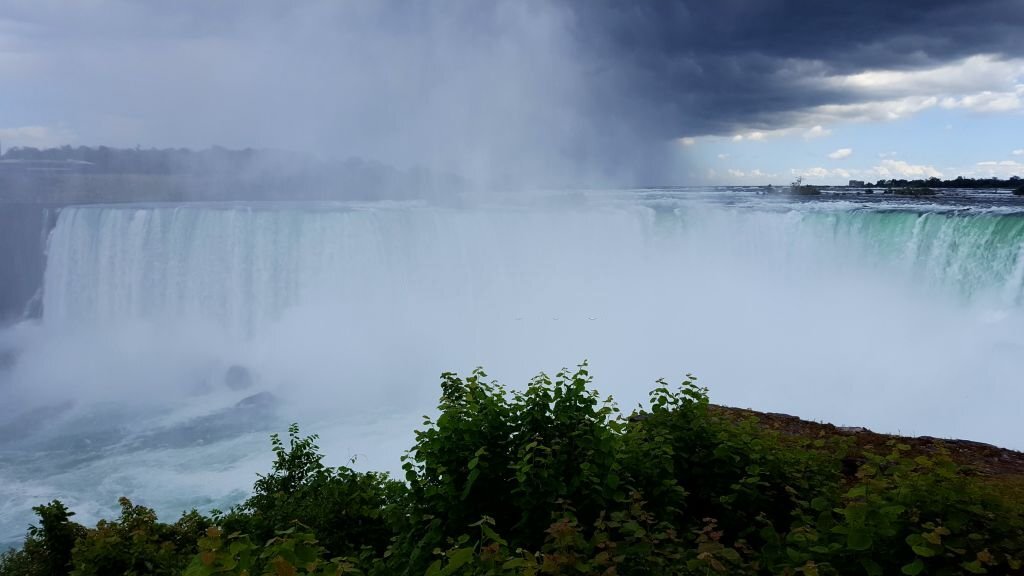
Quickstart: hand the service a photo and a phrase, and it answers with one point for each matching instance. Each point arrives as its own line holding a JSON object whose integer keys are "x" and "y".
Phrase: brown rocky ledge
{"x": 1001, "y": 465}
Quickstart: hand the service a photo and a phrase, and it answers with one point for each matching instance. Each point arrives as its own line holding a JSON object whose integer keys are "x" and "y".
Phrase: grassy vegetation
{"x": 554, "y": 479}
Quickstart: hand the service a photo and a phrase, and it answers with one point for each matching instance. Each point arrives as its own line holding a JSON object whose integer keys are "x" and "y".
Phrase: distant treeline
{"x": 958, "y": 182}
{"x": 102, "y": 174}
{"x": 104, "y": 159}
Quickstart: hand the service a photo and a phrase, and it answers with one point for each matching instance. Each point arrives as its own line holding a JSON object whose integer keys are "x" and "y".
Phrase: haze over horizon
{"x": 535, "y": 93}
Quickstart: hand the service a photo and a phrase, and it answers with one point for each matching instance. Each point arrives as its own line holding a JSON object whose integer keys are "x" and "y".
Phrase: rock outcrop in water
{"x": 914, "y": 192}
{"x": 238, "y": 378}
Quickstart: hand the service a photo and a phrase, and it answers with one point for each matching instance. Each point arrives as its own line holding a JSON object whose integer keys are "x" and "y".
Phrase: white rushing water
{"x": 343, "y": 316}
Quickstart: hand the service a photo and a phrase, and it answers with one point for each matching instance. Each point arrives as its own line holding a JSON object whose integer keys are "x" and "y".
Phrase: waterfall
{"x": 829, "y": 298}
{"x": 242, "y": 267}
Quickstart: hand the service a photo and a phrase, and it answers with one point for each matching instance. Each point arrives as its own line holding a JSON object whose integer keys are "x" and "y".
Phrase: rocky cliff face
{"x": 23, "y": 232}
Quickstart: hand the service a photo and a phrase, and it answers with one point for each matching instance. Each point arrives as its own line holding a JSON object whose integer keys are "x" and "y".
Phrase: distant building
{"x": 857, "y": 184}
{"x": 18, "y": 165}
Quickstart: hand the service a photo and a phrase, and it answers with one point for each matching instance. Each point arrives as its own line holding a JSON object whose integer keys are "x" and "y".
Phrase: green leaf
{"x": 473, "y": 475}
{"x": 871, "y": 567}
{"x": 457, "y": 559}
{"x": 923, "y": 551}
{"x": 490, "y": 533}
{"x": 914, "y": 568}
{"x": 857, "y": 491}
{"x": 858, "y": 539}
{"x": 892, "y": 512}
{"x": 974, "y": 567}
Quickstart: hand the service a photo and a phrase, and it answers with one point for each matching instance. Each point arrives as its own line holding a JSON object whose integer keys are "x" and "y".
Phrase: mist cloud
{"x": 488, "y": 90}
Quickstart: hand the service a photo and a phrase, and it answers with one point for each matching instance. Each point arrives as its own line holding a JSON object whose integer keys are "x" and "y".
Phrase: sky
{"x": 574, "y": 93}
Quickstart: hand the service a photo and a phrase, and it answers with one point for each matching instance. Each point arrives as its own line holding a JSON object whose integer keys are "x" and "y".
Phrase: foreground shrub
{"x": 291, "y": 552}
{"x": 516, "y": 457}
{"x": 47, "y": 548}
{"x": 347, "y": 509}
{"x": 913, "y": 516}
{"x": 553, "y": 479}
{"x": 692, "y": 465}
{"x": 136, "y": 543}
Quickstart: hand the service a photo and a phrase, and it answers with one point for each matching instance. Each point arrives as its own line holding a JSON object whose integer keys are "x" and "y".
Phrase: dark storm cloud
{"x": 696, "y": 67}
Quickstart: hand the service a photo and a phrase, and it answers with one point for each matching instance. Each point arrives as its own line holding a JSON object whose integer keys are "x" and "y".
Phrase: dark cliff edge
{"x": 24, "y": 229}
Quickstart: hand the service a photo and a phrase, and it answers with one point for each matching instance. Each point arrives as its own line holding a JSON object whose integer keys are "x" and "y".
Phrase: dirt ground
{"x": 986, "y": 460}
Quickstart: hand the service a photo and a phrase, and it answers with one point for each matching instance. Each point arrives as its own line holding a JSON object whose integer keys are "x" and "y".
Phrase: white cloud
{"x": 841, "y": 153}
{"x": 817, "y": 172}
{"x": 755, "y": 176}
{"x": 1000, "y": 163}
{"x": 821, "y": 173}
{"x": 983, "y": 83}
{"x": 754, "y": 136}
{"x": 687, "y": 141}
{"x": 902, "y": 169}
{"x": 985, "y": 102}
{"x": 1019, "y": 152}
{"x": 816, "y": 131}
{"x": 873, "y": 111}
{"x": 723, "y": 156}
{"x": 965, "y": 76}
{"x": 36, "y": 136}
{"x": 1001, "y": 168}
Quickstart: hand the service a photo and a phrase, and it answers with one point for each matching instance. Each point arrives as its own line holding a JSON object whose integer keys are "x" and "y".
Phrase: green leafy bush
{"x": 136, "y": 543}
{"x": 692, "y": 465}
{"x": 47, "y": 548}
{"x": 290, "y": 552}
{"x": 913, "y": 516}
{"x": 516, "y": 457}
{"x": 347, "y": 508}
{"x": 554, "y": 480}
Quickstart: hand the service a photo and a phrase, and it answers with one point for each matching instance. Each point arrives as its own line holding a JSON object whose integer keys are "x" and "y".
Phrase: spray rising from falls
{"x": 165, "y": 320}
{"x": 312, "y": 293}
